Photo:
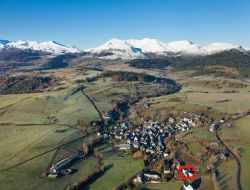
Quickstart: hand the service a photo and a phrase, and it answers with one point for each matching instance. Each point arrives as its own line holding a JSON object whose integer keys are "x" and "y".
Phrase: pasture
{"x": 31, "y": 132}
{"x": 240, "y": 132}
{"x": 64, "y": 107}
{"x": 162, "y": 186}
{"x": 27, "y": 176}
{"x": 120, "y": 168}
{"x": 223, "y": 95}
{"x": 227, "y": 175}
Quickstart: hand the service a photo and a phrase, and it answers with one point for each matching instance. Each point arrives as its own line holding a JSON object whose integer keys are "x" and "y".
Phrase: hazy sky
{"x": 88, "y": 23}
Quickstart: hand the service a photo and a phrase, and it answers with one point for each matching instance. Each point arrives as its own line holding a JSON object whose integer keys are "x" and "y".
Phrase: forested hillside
{"x": 232, "y": 63}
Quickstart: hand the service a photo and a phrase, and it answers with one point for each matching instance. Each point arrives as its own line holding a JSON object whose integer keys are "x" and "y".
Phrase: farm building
{"x": 64, "y": 163}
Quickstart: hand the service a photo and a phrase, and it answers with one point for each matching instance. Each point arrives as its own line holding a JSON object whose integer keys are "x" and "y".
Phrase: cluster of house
{"x": 154, "y": 177}
{"x": 149, "y": 137}
{"x": 215, "y": 125}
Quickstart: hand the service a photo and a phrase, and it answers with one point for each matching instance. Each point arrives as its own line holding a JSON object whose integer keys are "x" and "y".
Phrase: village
{"x": 148, "y": 142}
{"x": 152, "y": 141}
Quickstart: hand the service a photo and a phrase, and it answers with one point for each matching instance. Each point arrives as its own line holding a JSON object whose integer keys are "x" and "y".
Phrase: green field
{"x": 64, "y": 106}
{"x": 20, "y": 143}
{"x": 27, "y": 176}
{"x": 240, "y": 132}
{"x": 29, "y": 137}
{"x": 162, "y": 186}
{"x": 237, "y": 102}
{"x": 195, "y": 148}
{"x": 203, "y": 133}
{"x": 196, "y": 91}
{"x": 121, "y": 168}
{"x": 227, "y": 175}
{"x": 245, "y": 166}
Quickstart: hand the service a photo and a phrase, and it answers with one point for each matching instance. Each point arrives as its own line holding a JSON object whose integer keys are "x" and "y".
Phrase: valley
{"x": 39, "y": 128}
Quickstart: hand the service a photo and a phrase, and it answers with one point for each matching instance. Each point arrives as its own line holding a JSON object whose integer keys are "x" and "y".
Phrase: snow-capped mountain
{"x": 149, "y": 45}
{"x": 186, "y": 47}
{"x": 131, "y": 49}
{"x": 218, "y": 47}
{"x": 123, "y": 49}
{"x": 51, "y": 47}
{"x": 116, "y": 48}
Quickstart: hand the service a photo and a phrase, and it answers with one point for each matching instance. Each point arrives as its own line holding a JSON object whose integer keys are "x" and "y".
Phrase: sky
{"x": 89, "y": 23}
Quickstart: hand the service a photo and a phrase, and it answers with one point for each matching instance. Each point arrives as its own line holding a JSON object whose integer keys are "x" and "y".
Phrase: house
{"x": 224, "y": 156}
{"x": 123, "y": 126}
{"x": 146, "y": 106}
{"x": 212, "y": 128}
{"x": 165, "y": 154}
{"x": 187, "y": 173}
{"x": 171, "y": 120}
{"x": 123, "y": 146}
{"x": 214, "y": 144}
{"x": 138, "y": 179}
{"x": 151, "y": 177}
{"x": 187, "y": 187}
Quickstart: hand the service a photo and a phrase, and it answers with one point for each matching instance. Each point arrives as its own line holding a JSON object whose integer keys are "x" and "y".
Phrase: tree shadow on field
{"x": 87, "y": 185}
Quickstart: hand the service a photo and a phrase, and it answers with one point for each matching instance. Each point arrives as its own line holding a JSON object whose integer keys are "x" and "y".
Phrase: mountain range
{"x": 131, "y": 49}
{"x": 51, "y": 47}
{"x": 121, "y": 49}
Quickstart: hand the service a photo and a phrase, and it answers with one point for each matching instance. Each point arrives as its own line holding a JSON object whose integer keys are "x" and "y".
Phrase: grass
{"x": 195, "y": 148}
{"x": 27, "y": 176}
{"x": 66, "y": 108}
{"x": 239, "y": 102}
{"x": 162, "y": 186}
{"x": 20, "y": 143}
{"x": 245, "y": 167}
{"x": 121, "y": 168}
{"x": 241, "y": 132}
{"x": 188, "y": 158}
{"x": 203, "y": 133}
{"x": 28, "y": 138}
{"x": 196, "y": 92}
{"x": 7, "y": 100}
{"x": 227, "y": 175}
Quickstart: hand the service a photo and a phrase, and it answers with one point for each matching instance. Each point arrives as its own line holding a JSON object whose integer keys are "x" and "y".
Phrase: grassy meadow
{"x": 240, "y": 132}
{"x": 63, "y": 106}
{"x": 29, "y": 136}
{"x": 120, "y": 168}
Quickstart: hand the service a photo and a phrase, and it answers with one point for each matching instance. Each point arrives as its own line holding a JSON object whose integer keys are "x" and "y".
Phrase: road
{"x": 238, "y": 183}
{"x": 95, "y": 106}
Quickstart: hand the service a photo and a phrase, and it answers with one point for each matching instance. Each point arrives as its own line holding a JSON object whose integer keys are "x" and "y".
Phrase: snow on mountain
{"x": 131, "y": 49}
{"x": 186, "y": 47}
{"x": 49, "y": 46}
{"x": 3, "y": 43}
{"x": 116, "y": 48}
{"x": 148, "y": 45}
{"x": 219, "y": 47}
{"x": 126, "y": 49}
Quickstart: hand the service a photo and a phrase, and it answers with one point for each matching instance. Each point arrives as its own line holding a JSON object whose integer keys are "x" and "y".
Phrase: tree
{"x": 85, "y": 149}
{"x": 138, "y": 154}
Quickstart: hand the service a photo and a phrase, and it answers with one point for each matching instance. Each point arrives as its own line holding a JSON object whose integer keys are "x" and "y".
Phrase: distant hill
{"x": 231, "y": 63}
{"x": 19, "y": 55}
